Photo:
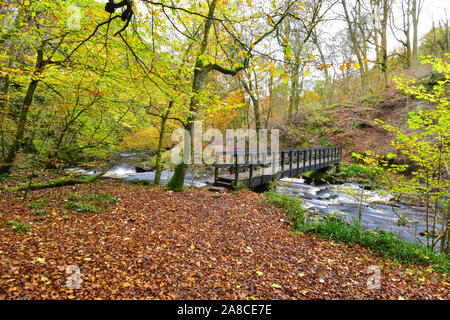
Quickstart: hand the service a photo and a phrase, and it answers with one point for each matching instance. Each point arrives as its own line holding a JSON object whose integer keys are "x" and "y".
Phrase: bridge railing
{"x": 290, "y": 161}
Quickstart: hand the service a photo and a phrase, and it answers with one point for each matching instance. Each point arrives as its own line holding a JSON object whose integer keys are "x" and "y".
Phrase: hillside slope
{"x": 353, "y": 125}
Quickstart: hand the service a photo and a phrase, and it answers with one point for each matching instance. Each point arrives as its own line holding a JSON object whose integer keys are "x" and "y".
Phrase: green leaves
{"x": 424, "y": 145}
{"x": 391, "y": 155}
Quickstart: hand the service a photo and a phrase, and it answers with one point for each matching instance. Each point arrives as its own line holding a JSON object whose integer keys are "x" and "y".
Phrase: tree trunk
{"x": 162, "y": 132}
{"x": 384, "y": 50}
{"x": 249, "y": 89}
{"x": 416, "y": 8}
{"x": 176, "y": 183}
{"x": 28, "y": 100}
{"x": 3, "y": 110}
{"x": 360, "y": 51}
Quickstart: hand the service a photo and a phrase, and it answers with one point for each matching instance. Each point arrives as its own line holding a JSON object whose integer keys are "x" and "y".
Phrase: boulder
{"x": 142, "y": 169}
{"x": 217, "y": 189}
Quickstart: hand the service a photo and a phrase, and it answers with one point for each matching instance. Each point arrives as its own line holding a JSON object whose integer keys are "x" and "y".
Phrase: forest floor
{"x": 154, "y": 244}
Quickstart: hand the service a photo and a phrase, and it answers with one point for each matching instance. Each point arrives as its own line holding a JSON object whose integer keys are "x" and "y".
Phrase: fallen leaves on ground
{"x": 154, "y": 244}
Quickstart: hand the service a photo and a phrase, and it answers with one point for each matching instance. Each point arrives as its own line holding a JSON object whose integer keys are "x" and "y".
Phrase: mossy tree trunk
{"x": 177, "y": 182}
{"x": 27, "y": 101}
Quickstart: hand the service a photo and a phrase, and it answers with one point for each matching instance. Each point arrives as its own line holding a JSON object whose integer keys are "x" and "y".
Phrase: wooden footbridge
{"x": 253, "y": 169}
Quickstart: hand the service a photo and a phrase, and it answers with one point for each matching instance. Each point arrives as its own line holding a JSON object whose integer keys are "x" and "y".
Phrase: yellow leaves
{"x": 356, "y": 65}
{"x": 306, "y": 73}
{"x": 41, "y": 260}
{"x": 275, "y": 285}
{"x": 259, "y": 273}
{"x": 312, "y": 57}
{"x": 45, "y": 280}
{"x": 250, "y": 3}
{"x": 26, "y": 3}
{"x": 87, "y": 259}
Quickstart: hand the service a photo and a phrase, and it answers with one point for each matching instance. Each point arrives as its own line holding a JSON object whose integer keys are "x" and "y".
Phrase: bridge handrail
{"x": 238, "y": 155}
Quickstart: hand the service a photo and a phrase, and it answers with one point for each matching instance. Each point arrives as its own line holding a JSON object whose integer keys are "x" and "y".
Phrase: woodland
{"x": 84, "y": 82}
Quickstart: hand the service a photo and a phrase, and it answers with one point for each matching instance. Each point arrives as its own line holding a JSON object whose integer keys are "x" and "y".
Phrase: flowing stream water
{"x": 345, "y": 201}
{"x": 376, "y": 210}
{"x": 125, "y": 168}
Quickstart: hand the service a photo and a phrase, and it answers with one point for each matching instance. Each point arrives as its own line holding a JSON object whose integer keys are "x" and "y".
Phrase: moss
{"x": 342, "y": 173}
{"x": 56, "y": 183}
{"x": 318, "y": 176}
{"x": 177, "y": 182}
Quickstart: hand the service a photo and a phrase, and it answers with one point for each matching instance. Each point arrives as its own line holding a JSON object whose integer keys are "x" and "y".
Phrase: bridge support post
{"x": 290, "y": 164}
{"x": 320, "y": 157}
{"x": 304, "y": 161}
{"x": 236, "y": 170}
{"x": 250, "y": 180}
{"x": 216, "y": 173}
{"x": 216, "y": 169}
{"x": 310, "y": 160}
{"x": 315, "y": 158}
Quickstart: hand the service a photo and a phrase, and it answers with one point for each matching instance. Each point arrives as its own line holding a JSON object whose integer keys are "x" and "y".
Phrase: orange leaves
{"x": 350, "y": 65}
{"x": 185, "y": 244}
{"x": 323, "y": 67}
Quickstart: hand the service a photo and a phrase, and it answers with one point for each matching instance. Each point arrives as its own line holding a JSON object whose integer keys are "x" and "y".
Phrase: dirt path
{"x": 157, "y": 245}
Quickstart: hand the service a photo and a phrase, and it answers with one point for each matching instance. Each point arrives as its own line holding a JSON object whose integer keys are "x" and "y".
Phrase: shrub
{"x": 19, "y": 226}
{"x": 82, "y": 208}
{"x": 291, "y": 206}
{"x": 38, "y": 204}
{"x": 98, "y": 198}
{"x": 40, "y": 213}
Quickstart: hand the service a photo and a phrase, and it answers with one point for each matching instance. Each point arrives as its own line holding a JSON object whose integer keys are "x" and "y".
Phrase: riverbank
{"x": 133, "y": 242}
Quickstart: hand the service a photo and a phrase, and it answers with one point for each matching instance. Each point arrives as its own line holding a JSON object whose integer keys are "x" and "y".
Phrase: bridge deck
{"x": 252, "y": 170}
